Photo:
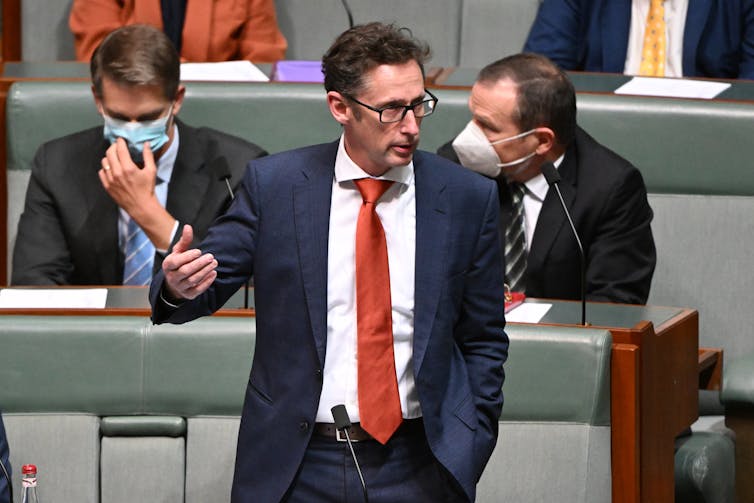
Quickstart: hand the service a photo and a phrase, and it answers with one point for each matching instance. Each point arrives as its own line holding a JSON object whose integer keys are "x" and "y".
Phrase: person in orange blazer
{"x": 221, "y": 30}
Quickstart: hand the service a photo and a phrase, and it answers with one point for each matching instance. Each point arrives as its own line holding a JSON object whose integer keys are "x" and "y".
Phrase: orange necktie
{"x": 653, "y": 52}
{"x": 379, "y": 402}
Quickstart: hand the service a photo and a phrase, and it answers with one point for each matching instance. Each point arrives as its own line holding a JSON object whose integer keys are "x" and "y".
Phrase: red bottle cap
{"x": 26, "y": 469}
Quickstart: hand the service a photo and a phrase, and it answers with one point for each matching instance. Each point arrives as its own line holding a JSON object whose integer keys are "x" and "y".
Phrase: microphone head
{"x": 221, "y": 168}
{"x": 551, "y": 174}
{"x": 340, "y": 416}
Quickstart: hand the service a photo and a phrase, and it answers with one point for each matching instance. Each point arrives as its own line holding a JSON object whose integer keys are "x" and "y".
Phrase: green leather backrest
{"x": 557, "y": 374}
{"x": 112, "y": 365}
{"x": 121, "y": 366}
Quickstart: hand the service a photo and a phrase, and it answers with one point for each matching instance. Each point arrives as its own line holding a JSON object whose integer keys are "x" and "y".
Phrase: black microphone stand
{"x": 553, "y": 178}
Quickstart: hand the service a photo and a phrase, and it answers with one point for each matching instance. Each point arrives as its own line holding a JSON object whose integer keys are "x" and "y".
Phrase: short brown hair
{"x": 364, "y": 47}
{"x": 137, "y": 55}
{"x": 546, "y": 96}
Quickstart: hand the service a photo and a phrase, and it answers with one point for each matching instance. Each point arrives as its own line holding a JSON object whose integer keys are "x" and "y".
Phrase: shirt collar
{"x": 346, "y": 169}
{"x": 167, "y": 160}
{"x": 537, "y": 187}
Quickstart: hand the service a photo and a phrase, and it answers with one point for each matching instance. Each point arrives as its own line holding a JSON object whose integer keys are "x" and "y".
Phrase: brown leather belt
{"x": 358, "y": 434}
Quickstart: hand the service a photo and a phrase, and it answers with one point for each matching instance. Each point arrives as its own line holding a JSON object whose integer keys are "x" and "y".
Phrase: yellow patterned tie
{"x": 653, "y": 53}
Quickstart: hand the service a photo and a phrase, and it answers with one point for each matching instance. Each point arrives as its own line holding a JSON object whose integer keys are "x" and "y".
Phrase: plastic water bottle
{"x": 29, "y": 483}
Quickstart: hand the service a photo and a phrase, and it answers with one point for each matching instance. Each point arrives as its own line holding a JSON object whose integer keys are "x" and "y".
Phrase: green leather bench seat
{"x": 115, "y": 409}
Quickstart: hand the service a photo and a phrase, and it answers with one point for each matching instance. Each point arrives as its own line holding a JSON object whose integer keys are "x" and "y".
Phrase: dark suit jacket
{"x": 592, "y": 35}
{"x": 277, "y": 228}
{"x": 4, "y": 453}
{"x": 608, "y": 203}
{"x": 68, "y": 232}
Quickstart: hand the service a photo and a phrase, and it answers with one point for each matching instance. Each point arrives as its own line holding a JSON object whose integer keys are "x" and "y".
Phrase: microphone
{"x": 10, "y": 482}
{"x": 553, "y": 178}
{"x": 348, "y": 11}
{"x": 222, "y": 171}
{"x": 343, "y": 423}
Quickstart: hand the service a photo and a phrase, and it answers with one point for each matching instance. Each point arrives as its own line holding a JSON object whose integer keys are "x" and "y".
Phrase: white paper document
{"x": 528, "y": 312}
{"x": 59, "y": 298}
{"x": 225, "y": 71}
{"x": 672, "y": 88}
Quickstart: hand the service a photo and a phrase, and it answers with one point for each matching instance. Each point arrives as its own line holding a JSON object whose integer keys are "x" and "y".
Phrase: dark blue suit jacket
{"x": 277, "y": 229}
{"x": 4, "y": 454}
{"x": 592, "y": 35}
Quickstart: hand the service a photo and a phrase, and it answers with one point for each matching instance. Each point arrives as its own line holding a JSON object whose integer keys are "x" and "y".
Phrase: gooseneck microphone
{"x": 348, "y": 11}
{"x": 343, "y": 424}
{"x": 10, "y": 482}
{"x": 222, "y": 170}
{"x": 553, "y": 178}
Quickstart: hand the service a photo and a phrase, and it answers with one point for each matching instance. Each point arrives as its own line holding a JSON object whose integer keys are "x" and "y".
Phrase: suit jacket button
{"x": 318, "y": 372}
{"x": 303, "y": 426}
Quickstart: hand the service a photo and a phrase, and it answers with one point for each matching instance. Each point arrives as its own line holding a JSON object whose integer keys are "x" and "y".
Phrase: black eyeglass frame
{"x": 433, "y": 99}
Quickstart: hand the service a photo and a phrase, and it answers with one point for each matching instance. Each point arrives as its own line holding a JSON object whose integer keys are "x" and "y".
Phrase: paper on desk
{"x": 59, "y": 298}
{"x": 226, "y": 71}
{"x": 528, "y": 312}
{"x": 672, "y": 88}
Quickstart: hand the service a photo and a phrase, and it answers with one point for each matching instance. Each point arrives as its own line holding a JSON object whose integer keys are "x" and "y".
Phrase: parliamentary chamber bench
{"x": 692, "y": 154}
{"x": 115, "y": 409}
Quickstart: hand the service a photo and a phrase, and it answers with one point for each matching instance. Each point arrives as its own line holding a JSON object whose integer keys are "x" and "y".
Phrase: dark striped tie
{"x": 515, "y": 241}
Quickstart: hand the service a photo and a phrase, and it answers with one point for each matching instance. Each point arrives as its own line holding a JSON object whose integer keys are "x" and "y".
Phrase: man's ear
{"x": 97, "y": 101}
{"x": 545, "y": 140}
{"x": 338, "y": 107}
{"x": 178, "y": 102}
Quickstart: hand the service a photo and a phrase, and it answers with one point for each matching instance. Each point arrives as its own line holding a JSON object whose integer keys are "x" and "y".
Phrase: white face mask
{"x": 477, "y": 153}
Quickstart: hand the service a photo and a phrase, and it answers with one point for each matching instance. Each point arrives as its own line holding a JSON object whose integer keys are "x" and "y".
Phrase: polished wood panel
{"x": 11, "y": 49}
{"x": 624, "y": 404}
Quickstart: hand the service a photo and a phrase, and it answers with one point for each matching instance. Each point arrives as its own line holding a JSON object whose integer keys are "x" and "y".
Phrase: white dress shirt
{"x": 675, "y": 23}
{"x": 534, "y": 196}
{"x": 397, "y": 211}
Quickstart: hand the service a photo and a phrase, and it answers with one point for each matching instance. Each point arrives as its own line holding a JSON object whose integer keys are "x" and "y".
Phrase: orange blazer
{"x": 218, "y": 30}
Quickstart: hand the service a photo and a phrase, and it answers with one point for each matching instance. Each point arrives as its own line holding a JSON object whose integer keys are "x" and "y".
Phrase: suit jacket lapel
{"x": 432, "y": 221}
{"x": 551, "y": 217}
{"x": 102, "y": 221}
{"x": 311, "y": 215}
{"x": 189, "y": 182}
{"x": 616, "y": 24}
{"x": 696, "y": 18}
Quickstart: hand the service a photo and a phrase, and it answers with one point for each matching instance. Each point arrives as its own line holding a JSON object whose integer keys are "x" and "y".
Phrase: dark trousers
{"x": 403, "y": 470}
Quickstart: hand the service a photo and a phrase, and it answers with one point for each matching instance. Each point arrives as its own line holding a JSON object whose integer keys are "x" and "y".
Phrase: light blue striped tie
{"x": 137, "y": 270}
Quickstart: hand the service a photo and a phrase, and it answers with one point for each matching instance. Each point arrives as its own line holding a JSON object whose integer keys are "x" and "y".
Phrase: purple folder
{"x": 298, "y": 71}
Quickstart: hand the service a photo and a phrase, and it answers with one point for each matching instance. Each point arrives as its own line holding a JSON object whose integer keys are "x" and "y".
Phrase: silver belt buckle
{"x": 341, "y": 437}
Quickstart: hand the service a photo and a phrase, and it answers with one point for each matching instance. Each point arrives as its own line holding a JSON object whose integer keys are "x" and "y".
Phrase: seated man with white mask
{"x": 103, "y": 206}
{"x": 524, "y": 115}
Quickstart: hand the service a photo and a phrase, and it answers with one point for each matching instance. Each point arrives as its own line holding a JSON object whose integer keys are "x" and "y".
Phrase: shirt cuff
{"x": 162, "y": 251}
{"x": 167, "y": 302}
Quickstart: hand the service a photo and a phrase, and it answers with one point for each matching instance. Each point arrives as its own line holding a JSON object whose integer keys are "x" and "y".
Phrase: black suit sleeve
{"x": 41, "y": 255}
{"x": 621, "y": 254}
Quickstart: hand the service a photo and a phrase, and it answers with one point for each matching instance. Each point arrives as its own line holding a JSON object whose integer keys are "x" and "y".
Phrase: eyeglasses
{"x": 396, "y": 113}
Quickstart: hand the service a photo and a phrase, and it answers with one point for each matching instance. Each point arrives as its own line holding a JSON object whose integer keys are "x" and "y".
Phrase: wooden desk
{"x": 654, "y": 383}
{"x": 583, "y": 82}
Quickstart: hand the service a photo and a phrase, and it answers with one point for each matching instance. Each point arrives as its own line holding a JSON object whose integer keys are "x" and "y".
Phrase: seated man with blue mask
{"x": 103, "y": 206}
{"x": 524, "y": 115}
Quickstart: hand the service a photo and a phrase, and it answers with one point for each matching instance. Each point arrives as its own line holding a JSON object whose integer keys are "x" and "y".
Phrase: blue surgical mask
{"x": 136, "y": 134}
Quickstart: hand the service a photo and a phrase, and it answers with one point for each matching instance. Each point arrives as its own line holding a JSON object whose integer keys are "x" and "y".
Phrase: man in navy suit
{"x": 293, "y": 227}
{"x": 705, "y": 38}
{"x": 4, "y": 454}
{"x": 524, "y": 115}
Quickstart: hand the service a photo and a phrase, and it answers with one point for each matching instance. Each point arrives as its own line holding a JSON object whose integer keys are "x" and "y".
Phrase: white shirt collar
{"x": 537, "y": 187}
